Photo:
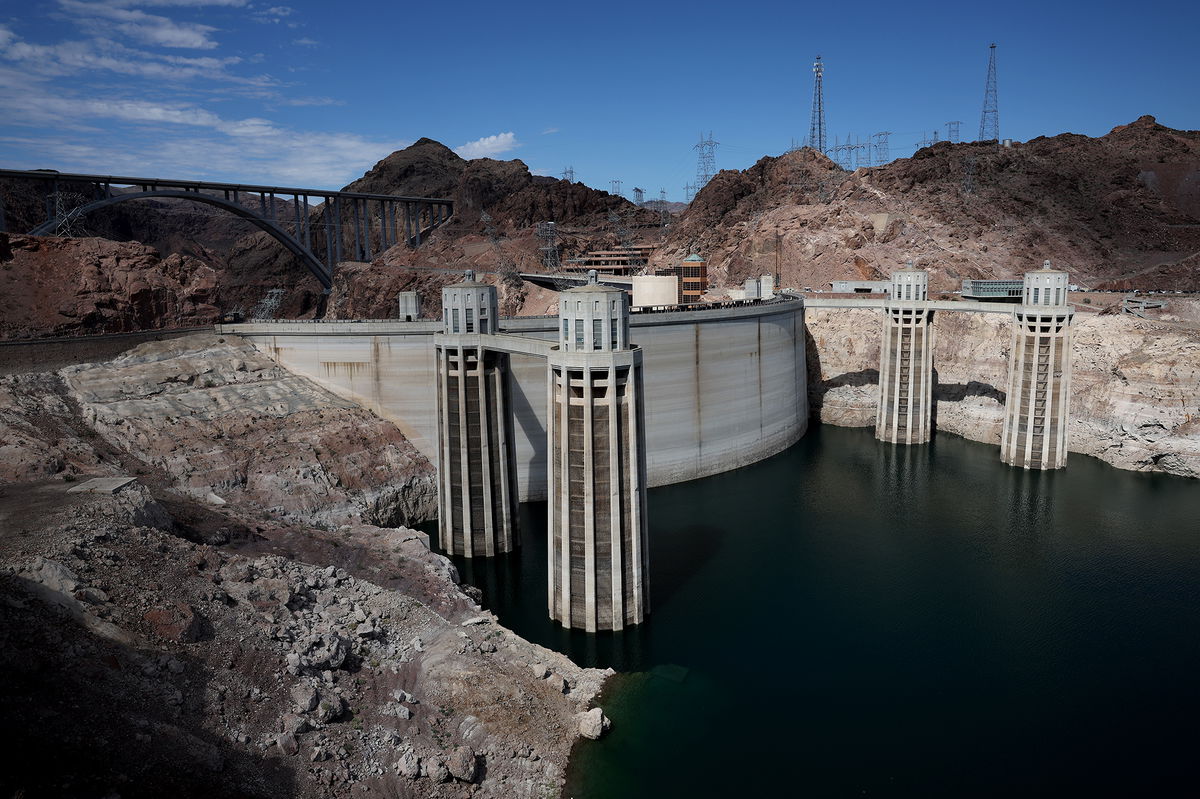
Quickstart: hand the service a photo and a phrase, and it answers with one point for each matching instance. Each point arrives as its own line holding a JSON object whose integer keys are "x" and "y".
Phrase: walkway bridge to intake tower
{"x": 319, "y": 227}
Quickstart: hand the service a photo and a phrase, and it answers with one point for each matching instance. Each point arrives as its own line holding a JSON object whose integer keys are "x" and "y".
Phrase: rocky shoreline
{"x": 1135, "y": 399}
{"x": 169, "y": 639}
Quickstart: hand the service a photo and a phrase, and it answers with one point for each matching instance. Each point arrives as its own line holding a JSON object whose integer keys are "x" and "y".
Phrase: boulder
{"x": 325, "y": 651}
{"x": 434, "y": 769}
{"x": 287, "y": 743}
{"x": 462, "y": 764}
{"x": 305, "y": 697}
{"x": 593, "y": 724}
{"x": 329, "y": 708}
{"x": 409, "y": 765}
{"x": 179, "y": 623}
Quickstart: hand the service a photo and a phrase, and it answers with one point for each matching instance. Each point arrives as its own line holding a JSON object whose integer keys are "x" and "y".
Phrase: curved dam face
{"x": 724, "y": 387}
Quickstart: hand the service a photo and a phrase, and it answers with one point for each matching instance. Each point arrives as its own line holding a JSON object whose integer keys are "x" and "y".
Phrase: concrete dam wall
{"x": 724, "y": 387}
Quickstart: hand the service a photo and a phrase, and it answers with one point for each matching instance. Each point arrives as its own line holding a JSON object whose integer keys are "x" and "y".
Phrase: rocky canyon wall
{"x": 1135, "y": 399}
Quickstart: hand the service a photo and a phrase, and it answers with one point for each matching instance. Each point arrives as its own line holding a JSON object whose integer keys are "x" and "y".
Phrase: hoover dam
{"x": 724, "y": 386}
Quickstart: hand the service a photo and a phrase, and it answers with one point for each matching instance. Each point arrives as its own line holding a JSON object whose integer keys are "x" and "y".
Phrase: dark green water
{"x": 854, "y": 618}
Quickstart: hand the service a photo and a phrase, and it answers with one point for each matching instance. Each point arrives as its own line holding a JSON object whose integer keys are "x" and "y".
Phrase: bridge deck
{"x": 204, "y": 185}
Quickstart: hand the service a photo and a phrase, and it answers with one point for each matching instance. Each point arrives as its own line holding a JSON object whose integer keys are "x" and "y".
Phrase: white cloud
{"x": 178, "y": 3}
{"x": 306, "y": 42}
{"x": 548, "y": 131}
{"x": 104, "y": 19}
{"x": 274, "y": 14}
{"x": 6, "y": 37}
{"x": 488, "y": 146}
{"x": 102, "y": 55}
{"x": 184, "y": 140}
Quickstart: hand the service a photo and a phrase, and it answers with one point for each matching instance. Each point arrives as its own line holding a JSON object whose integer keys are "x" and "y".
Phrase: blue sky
{"x": 313, "y": 94}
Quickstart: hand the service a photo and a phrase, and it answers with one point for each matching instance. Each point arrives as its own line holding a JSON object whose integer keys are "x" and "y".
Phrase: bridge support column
{"x": 476, "y": 468}
{"x": 596, "y": 519}
{"x": 1037, "y": 409}
{"x": 906, "y": 362}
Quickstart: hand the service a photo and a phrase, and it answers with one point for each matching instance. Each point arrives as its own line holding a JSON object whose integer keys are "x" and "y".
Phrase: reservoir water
{"x": 851, "y": 618}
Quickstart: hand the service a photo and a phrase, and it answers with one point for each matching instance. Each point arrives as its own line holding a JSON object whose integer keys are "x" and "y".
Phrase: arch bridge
{"x": 319, "y": 227}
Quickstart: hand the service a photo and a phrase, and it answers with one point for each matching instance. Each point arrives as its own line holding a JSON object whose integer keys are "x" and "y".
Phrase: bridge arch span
{"x": 271, "y": 228}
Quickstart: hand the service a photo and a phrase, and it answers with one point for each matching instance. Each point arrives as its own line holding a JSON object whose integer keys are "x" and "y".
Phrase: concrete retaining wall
{"x": 48, "y": 354}
{"x": 723, "y": 388}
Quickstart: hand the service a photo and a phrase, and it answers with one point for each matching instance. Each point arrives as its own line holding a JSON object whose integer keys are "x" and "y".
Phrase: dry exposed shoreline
{"x": 237, "y": 617}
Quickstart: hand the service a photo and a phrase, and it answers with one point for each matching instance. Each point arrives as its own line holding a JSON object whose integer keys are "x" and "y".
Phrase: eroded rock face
{"x": 1120, "y": 210}
{"x": 226, "y": 421}
{"x": 1135, "y": 399}
{"x": 57, "y": 286}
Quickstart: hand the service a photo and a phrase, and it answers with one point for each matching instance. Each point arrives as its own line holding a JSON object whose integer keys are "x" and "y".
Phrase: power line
{"x": 568, "y": 174}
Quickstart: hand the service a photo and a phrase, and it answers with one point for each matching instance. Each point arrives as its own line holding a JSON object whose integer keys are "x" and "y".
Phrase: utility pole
{"x": 816, "y": 130}
{"x": 989, "y": 122}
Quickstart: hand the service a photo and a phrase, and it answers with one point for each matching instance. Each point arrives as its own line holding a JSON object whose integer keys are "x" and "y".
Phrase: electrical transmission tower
{"x": 689, "y": 191}
{"x": 816, "y": 129}
{"x": 639, "y": 195}
{"x": 67, "y": 210}
{"x": 548, "y": 233}
{"x": 863, "y": 153}
{"x": 615, "y": 188}
{"x": 952, "y": 131}
{"x": 925, "y": 141}
{"x": 568, "y": 174}
{"x": 882, "y": 148}
{"x": 664, "y": 216}
{"x": 968, "y": 181}
{"x": 504, "y": 265}
{"x": 706, "y": 160}
{"x": 268, "y": 306}
{"x": 989, "y": 122}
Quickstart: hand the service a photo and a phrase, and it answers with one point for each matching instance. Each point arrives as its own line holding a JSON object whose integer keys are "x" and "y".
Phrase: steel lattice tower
{"x": 816, "y": 130}
{"x": 952, "y": 131}
{"x": 882, "y": 147}
{"x": 706, "y": 161}
{"x": 615, "y": 188}
{"x": 639, "y": 195}
{"x": 568, "y": 174}
{"x": 989, "y": 122}
{"x": 548, "y": 233}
